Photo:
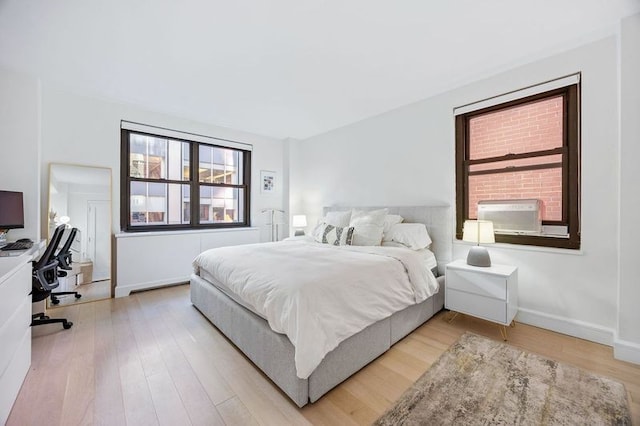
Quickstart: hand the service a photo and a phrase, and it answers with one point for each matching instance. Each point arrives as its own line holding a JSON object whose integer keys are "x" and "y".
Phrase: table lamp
{"x": 478, "y": 231}
{"x": 299, "y": 222}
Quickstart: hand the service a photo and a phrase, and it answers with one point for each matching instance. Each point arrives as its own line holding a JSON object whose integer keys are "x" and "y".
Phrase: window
{"x": 526, "y": 148}
{"x": 174, "y": 183}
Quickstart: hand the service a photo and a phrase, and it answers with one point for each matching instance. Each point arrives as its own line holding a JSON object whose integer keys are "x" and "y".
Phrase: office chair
{"x": 45, "y": 278}
{"x": 64, "y": 262}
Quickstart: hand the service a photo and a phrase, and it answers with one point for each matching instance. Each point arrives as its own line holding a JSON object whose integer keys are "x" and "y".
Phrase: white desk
{"x": 15, "y": 323}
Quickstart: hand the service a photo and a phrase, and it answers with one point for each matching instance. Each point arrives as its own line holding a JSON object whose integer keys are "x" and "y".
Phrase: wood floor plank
{"x": 78, "y": 404}
{"x": 155, "y": 359}
{"x": 199, "y": 406}
{"x": 201, "y": 362}
{"x": 53, "y": 383}
{"x": 166, "y": 400}
{"x": 234, "y": 412}
{"x": 136, "y": 395}
{"x": 358, "y": 410}
{"x": 325, "y": 413}
{"x": 108, "y": 404}
{"x": 264, "y": 401}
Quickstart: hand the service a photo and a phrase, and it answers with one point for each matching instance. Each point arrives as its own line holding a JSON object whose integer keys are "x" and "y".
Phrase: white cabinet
{"x": 489, "y": 293}
{"x": 153, "y": 259}
{"x": 15, "y": 330}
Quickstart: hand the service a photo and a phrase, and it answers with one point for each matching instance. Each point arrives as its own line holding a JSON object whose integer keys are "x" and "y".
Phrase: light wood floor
{"x": 152, "y": 358}
{"x": 90, "y": 292}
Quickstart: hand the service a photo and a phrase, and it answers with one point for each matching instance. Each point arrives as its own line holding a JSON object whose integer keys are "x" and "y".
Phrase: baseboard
{"x": 125, "y": 290}
{"x": 572, "y": 327}
{"x": 626, "y": 351}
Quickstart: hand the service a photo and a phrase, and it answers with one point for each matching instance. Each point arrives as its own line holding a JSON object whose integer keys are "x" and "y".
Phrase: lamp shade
{"x": 299, "y": 221}
{"x": 478, "y": 231}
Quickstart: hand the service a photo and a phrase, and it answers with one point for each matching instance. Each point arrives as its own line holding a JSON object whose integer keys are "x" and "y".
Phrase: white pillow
{"x": 389, "y": 221}
{"x": 334, "y": 235}
{"x": 368, "y": 227}
{"x": 339, "y": 219}
{"x": 412, "y": 235}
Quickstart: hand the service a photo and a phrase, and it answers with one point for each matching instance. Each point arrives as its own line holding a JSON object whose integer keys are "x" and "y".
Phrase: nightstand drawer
{"x": 481, "y": 307}
{"x": 488, "y": 285}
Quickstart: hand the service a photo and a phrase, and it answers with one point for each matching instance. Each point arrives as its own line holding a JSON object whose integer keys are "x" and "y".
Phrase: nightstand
{"x": 489, "y": 293}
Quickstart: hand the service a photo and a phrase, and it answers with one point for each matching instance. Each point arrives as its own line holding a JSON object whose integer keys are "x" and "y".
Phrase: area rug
{"x": 479, "y": 381}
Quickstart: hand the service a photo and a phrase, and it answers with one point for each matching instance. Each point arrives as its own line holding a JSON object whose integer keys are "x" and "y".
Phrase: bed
{"x": 305, "y": 378}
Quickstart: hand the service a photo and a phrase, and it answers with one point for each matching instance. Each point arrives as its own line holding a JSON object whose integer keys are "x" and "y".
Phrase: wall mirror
{"x": 80, "y": 198}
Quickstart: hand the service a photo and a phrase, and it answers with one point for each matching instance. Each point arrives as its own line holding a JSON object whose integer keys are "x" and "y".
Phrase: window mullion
{"x": 195, "y": 184}
{"x": 509, "y": 157}
{"x": 512, "y": 169}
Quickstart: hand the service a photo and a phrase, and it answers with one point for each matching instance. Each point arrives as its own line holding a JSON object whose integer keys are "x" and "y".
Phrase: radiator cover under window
{"x": 512, "y": 216}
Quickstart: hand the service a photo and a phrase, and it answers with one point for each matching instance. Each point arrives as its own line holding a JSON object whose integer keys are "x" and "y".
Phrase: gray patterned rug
{"x": 478, "y": 381}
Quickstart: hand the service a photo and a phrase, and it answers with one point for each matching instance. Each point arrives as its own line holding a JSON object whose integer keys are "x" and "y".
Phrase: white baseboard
{"x": 125, "y": 290}
{"x": 626, "y": 351}
{"x": 572, "y": 327}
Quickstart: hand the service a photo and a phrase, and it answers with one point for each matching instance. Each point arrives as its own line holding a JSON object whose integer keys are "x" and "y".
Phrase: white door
{"x": 98, "y": 235}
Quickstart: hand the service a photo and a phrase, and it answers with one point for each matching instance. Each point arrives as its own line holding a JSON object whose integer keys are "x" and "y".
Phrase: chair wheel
{"x": 67, "y": 325}
{"x": 55, "y": 301}
{"x": 44, "y": 317}
{"x": 78, "y": 296}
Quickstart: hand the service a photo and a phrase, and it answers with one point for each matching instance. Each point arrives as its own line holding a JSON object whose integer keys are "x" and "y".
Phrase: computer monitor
{"x": 11, "y": 212}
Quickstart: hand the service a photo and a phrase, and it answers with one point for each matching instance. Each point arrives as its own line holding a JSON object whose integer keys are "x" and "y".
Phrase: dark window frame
{"x": 193, "y": 183}
{"x": 570, "y": 151}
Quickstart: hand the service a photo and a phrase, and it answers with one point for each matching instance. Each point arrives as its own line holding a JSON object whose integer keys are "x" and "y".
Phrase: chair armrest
{"x": 40, "y": 275}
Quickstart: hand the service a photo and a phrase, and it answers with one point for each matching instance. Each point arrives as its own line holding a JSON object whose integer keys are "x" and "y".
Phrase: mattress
{"x": 428, "y": 256}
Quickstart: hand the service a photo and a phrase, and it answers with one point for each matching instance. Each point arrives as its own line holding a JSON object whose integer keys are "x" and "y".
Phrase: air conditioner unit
{"x": 512, "y": 216}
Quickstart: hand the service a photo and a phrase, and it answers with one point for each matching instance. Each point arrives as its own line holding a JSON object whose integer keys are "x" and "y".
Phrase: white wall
{"x": 628, "y": 344}
{"x": 19, "y": 141}
{"x": 406, "y": 156}
{"x": 83, "y": 130}
{"x": 44, "y": 124}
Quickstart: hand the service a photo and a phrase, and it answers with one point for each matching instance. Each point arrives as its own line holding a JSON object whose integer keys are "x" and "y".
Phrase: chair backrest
{"x": 64, "y": 255}
{"x": 45, "y": 269}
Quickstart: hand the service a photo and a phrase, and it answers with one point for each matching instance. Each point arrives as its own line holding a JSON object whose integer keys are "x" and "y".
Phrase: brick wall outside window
{"x": 531, "y": 127}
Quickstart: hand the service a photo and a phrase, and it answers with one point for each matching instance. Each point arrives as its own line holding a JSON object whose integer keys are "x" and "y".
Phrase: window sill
{"x": 184, "y": 231}
{"x": 522, "y": 247}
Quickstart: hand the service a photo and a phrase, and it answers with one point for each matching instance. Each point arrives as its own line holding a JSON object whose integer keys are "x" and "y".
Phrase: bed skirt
{"x": 273, "y": 353}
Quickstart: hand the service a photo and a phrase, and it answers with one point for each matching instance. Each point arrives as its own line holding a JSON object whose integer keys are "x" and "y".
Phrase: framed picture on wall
{"x": 267, "y": 182}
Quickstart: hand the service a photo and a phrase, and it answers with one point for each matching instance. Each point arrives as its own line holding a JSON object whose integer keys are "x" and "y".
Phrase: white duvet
{"x": 318, "y": 294}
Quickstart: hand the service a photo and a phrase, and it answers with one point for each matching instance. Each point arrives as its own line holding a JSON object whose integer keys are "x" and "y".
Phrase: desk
{"x": 15, "y": 323}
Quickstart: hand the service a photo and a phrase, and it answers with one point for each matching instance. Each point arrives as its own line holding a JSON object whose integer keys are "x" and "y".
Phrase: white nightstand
{"x": 488, "y": 293}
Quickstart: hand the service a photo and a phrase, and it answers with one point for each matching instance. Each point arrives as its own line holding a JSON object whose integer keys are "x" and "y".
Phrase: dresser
{"x": 15, "y": 324}
{"x": 490, "y": 293}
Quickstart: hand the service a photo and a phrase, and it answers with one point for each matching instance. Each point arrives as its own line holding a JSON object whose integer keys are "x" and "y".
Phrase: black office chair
{"x": 64, "y": 262}
{"x": 64, "y": 255}
{"x": 45, "y": 278}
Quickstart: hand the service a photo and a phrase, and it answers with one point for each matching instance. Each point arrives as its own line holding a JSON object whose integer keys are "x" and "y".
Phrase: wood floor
{"x": 90, "y": 292}
{"x": 152, "y": 358}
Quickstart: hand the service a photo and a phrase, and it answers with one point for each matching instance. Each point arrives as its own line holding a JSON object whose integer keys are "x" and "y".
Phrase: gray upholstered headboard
{"x": 436, "y": 218}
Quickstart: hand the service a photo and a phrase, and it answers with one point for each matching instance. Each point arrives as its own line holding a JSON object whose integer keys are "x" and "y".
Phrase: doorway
{"x": 98, "y": 234}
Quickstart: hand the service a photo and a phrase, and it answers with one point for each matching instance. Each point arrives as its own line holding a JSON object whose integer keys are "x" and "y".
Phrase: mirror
{"x": 80, "y": 197}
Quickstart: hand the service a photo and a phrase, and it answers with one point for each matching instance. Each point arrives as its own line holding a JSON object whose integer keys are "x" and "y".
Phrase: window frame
{"x": 193, "y": 183}
{"x": 570, "y": 151}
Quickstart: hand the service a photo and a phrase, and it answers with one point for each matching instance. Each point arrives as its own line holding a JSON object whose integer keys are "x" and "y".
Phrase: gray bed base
{"x": 273, "y": 353}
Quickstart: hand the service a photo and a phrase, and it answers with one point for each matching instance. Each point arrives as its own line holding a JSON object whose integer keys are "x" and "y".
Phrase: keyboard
{"x": 22, "y": 245}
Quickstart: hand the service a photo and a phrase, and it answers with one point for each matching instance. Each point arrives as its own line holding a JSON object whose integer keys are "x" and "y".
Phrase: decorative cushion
{"x": 337, "y": 218}
{"x": 368, "y": 227}
{"x": 334, "y": 235}
{"x": 389, "y": 221}
{"x": 411, "y": 235}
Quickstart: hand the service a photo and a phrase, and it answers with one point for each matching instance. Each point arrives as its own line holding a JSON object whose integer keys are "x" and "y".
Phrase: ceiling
{"x": 287, "y": 68}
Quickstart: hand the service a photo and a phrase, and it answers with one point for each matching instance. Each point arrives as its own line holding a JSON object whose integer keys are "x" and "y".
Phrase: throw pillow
{"x": 334, "y": 235}
{"x": 368, "y": 227}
